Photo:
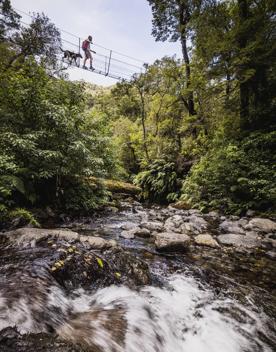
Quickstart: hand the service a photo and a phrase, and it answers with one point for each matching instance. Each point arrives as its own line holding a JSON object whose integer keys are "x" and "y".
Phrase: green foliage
{"x": 47, "y": 135}
{"x": 16, "y": 217}
{"x": 159, "y": 182}
{"x": 83, "y": 197}
{"x": 235, "y": 177}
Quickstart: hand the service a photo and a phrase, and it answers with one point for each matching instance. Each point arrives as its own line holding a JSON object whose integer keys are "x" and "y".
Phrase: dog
{"x": 71, "y": 56}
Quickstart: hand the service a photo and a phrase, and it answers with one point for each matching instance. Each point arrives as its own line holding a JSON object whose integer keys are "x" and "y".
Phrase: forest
{"x": 199, "y": 130}
{"x": 139, "y": 217}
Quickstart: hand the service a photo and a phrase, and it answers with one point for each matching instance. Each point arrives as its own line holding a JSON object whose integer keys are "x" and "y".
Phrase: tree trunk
{"x": 143, "y": 112}
{"x": 244, "y": 84}
{"x": 183, "y": 21}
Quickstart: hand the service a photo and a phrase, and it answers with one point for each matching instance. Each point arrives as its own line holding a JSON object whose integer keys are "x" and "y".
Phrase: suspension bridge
{"x": 106, "y": 62}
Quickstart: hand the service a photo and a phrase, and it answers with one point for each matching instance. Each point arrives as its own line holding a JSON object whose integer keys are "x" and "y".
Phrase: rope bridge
{"x": 106, "y": 62}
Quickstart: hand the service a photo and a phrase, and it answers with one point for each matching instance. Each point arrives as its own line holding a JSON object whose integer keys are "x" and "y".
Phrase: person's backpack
{"x": 85, "y": 44}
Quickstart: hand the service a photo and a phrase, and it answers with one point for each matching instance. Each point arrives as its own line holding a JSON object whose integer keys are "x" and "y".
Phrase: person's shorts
{"x": 87, "y": 54}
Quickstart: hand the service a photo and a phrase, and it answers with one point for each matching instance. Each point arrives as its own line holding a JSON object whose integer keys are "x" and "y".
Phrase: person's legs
{"x": 90, "y": 59}
{"x": 86, "y": 57}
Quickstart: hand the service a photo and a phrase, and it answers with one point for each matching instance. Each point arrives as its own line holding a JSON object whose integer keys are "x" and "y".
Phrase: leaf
{"x": 100, "y": 262}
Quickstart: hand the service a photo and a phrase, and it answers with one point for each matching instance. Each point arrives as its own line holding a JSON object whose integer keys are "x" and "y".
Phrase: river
{"x": 194, "y": 302}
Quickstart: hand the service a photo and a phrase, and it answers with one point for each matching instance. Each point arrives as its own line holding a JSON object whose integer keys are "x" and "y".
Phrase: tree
{"x": 171, "y": 20}
{"x": 41, "y": 39}
{"x": 9, "y": 19}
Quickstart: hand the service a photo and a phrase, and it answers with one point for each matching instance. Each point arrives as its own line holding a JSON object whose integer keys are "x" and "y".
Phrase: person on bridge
{"x": 87, "y": 52}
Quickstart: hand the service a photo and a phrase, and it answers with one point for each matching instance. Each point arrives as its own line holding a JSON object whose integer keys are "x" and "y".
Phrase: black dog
{"x": 71, "y": 56}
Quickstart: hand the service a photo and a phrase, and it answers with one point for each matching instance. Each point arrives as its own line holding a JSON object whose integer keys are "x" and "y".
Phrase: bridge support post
{"x": 79, "y": 51}
{"x": 108, "y": 67}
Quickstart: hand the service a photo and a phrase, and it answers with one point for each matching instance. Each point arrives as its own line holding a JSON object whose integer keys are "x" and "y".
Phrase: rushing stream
{"x": 182, "y": 310}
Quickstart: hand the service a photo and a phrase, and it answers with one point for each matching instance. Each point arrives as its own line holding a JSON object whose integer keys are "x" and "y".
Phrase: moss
{"x": 115, "y": 186}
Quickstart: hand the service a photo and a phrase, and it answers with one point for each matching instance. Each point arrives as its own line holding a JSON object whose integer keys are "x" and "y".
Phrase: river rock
{"x": 152, "y": 225}
{"x": 271, "y": 255}
{"x": 169, "y": 241}
{"x": 173, "y": 223}
{"x": 213, "y": 215}
{"x": 129, "y": 235}
{"x": 25, "y": 236}
{"x": 228, "y": 226}
{"x": 237, "y": 240}
{"x": 136, "y": 231}
{"x": 98, "y": 242}
{"x": 128, "y": 226}
{"x": 269, "y": 241}
{"x": 145, "y": 233}
{"x": 195, "y": 225}
{"x": 262, "y": 225}
{"x": 194, "y": 211}
{"x": 12, "y": 341}
{"x": 206, "y": 240}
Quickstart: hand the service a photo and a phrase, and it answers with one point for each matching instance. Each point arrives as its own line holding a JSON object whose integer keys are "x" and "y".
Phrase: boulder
{"x": 11, "y": 340}
{"x": 152, "y": 225}
{"x": 27, "y": 235}
{"x": 128, "y": 226}
{"x": 194, "y": 211}
{"x": 262, "y": 225}
{"x": 181, "y": 205}
{"x": 145, "y": 233}
{"x": 127, "y": 234}
{"x": 271, "y": 255}
{"x": 269, "y": 241}
{"x": 173, "y": 223}
{"x": 206, "y": 240}
{"x": 195, "y": 225}
{"x": 228, "y": 226}
{"x": 213, "y": 215}
{"x": 237, "y": 240}
{"x": 24, "y": 236}
{"x": 169, "y": 241}
{"x": 98, "y": 242}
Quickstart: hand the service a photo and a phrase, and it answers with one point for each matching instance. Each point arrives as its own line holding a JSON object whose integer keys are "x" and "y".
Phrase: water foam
{"x": 180, "y": 317}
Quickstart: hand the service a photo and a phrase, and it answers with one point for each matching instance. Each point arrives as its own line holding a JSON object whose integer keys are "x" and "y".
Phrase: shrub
{"x": 235, "y": 177}
{"x": 83, "y": 196}
{"x": 159, "y": 183}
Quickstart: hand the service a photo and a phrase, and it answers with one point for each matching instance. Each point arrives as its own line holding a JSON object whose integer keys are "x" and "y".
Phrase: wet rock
{"x": 231, "y": 227}
{"x": 12, "y": 341}
{"x": 98, "y": 242}
{"x": 128, "y": 226}
{"x": 25, "y": 236}
{"x": 144, "y": 233}
{"x": 206, "y": 240}
{"x": 169, "y": 241}
{"x": 250, "y": 213}
{"x": 133, "y": 271}
{"x": 127, "y": 234}
{"x": 83, "y": 329}
{"x": 271, "y": 255}
{"x": 152, "y": 225}
{"x": 213, "y": 215}
{"x": 173, "y": 223}
{"x": 237, "y": 240}
{"x": 194, "y": 211}
{"x": 262, "y": 225}
{"x": 182, "y": 205}
{"x": 269, "y": 241}
{"x": 195, "y": 225}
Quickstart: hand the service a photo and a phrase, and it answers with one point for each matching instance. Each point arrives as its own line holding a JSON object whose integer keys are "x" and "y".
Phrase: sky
{"x": 121, "y": 25}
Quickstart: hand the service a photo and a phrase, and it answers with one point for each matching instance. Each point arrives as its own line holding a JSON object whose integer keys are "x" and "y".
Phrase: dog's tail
{"x": 62, "y": 49}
